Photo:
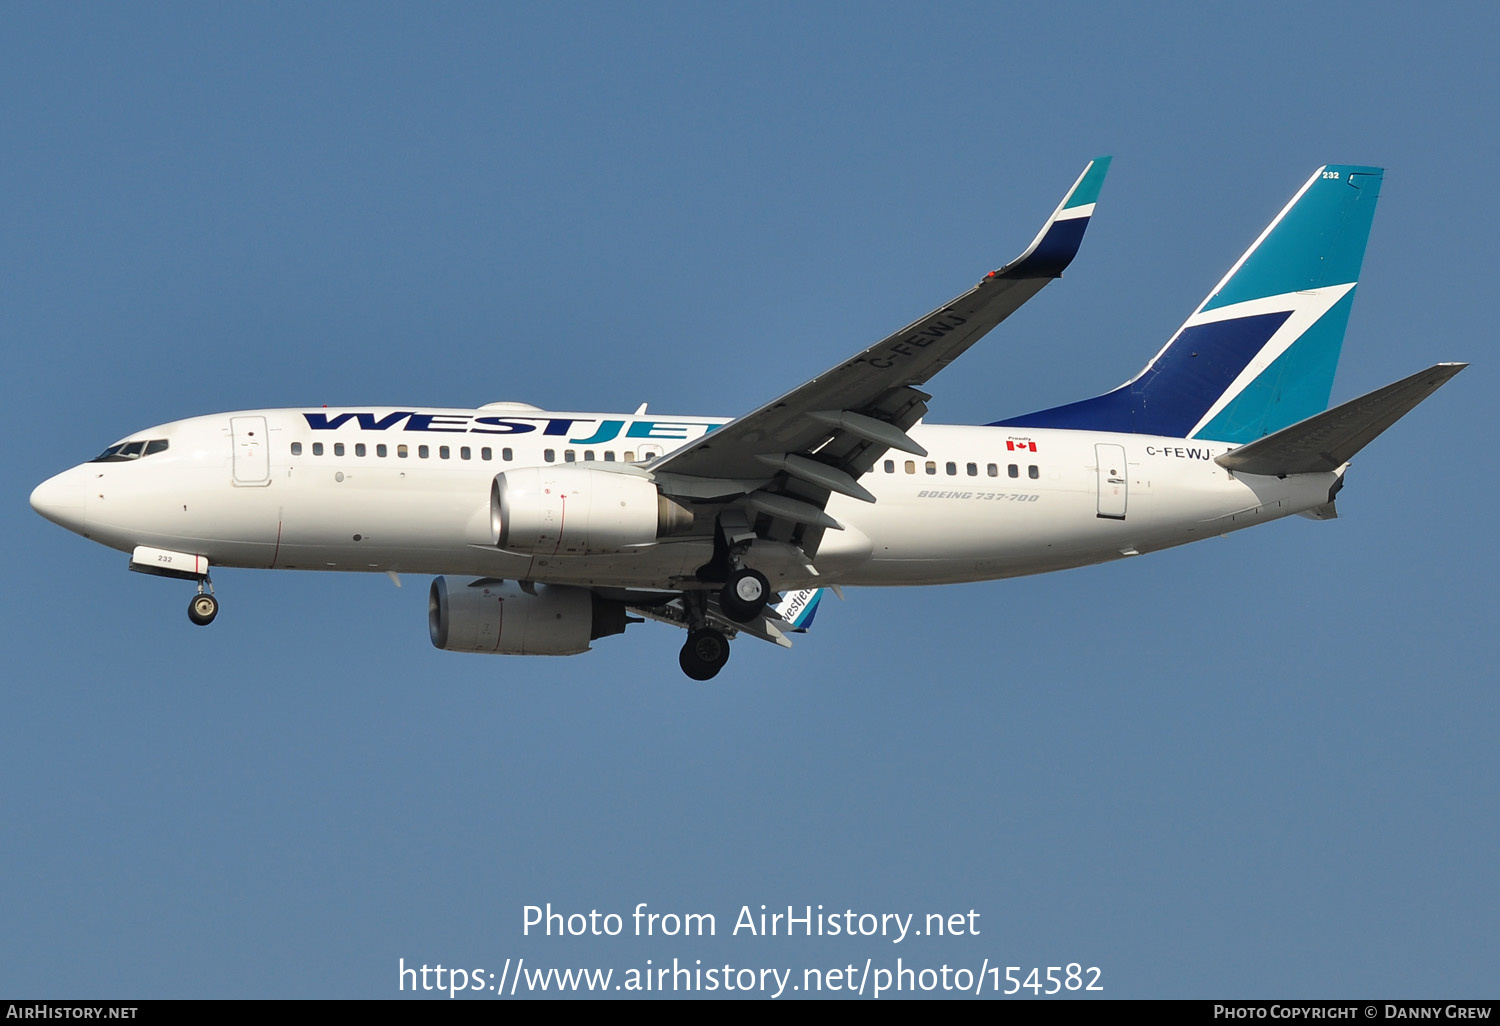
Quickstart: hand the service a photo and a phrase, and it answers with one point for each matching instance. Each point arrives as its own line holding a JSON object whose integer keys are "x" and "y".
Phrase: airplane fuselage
{"x": 408, "y": 491}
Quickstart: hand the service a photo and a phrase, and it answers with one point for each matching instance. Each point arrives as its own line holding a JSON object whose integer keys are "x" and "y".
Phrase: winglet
{"x": 799, "y": 607}
{"x": 1057, "y": 243}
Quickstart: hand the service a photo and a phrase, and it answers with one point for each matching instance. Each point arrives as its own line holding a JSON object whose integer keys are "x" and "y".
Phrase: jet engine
{"x": 577, "y": 511}
{"x": 486, "y": 615}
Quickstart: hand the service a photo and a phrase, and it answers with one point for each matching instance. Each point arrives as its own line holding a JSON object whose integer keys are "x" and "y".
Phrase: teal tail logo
{"x": 1259, "y": 354}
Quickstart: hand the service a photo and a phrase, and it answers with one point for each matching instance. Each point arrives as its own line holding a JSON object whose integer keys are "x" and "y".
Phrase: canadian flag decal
{"x": 1012, "y": 445}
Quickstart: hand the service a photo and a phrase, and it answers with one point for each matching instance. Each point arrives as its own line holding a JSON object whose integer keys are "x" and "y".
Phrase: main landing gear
{"x": 743, "y": 599}
{"x": 204, "y": 606}
{"x": 745, "y": 592}
{"x": 706, "y": 650}
{"x": 704, "y": 654}
{"x": 744, "y": 596}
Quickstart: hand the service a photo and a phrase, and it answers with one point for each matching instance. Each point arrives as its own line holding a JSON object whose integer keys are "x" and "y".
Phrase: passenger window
{"x": 338, "y": 448}
{"x": 1033, "y": 472}
{"x": 296, "y": 448}
{"x": 588, "y": 454}
{"x": 911, "y": 466}
{"x": 317, "y": 448}
{"x": 401, "y": 451}
{"x": 423, "y": 452}
{"x": 569, "y": 456}
{"x": 973, "y": 470}
{"x": 609, "y": 456}
{"x": 486, "y": 454}
{"x": 466, "y": 453}
{"x": 507, "y": 455}
{"x": 1013, "y": 470}
{"x": 993, "y": 470}
{"x": 629, "y": 456}
{"x": 381, "y": 450}
{"x": 890, "y": 466}
{"x": 932, "y": 466}
{"x": 359, "y": 448}
{"x": 550, "y": 455}
{"x": 952, "y": 468}
{"x": 444, "y": 452}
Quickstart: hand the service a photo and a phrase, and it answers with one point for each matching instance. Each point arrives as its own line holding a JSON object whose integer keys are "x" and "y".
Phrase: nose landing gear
{"x": 204, "y": 607}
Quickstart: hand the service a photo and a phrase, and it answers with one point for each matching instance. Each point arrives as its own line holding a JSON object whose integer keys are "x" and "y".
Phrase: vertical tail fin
{"x": 1260, "y": 351}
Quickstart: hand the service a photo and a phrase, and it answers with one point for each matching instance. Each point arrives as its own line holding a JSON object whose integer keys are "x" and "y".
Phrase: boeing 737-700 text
{"x": 564, "y": 527}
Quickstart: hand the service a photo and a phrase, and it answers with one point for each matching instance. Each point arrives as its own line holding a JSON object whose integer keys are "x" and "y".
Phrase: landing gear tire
{"x": 203, "y": 609}
{"x": 745, "y": 596}
{"x": 704, "y": 654}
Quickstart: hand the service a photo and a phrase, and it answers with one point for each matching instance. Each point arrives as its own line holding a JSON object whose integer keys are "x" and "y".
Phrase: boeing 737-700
{"x": 553, "y": 529}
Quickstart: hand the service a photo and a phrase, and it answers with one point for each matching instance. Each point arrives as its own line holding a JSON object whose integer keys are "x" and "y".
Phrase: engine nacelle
{"x": 486, "y": 615}
{"x": 575, "y": 511}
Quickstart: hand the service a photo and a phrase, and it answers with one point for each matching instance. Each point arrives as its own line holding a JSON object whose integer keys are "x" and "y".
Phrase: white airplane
{"x": 566, "y": 524}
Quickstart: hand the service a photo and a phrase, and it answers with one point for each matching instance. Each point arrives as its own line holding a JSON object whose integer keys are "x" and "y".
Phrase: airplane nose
{"x": 60, "y": 499}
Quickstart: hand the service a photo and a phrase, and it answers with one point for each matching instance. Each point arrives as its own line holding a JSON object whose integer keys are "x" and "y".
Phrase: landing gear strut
{"x": 204, "y": 607}
{"x": 744, "y": 597}
{"x": 704, "y": 654}
{"x": 745, "y": 592}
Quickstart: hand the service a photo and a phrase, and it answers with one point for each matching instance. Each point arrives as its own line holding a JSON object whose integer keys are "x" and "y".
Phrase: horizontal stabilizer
{"x": 1326, "y": 441}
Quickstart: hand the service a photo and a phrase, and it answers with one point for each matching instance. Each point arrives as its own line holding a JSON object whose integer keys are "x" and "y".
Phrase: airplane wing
{"x": 821, "y": 436}
{"x": 792, "y": 614}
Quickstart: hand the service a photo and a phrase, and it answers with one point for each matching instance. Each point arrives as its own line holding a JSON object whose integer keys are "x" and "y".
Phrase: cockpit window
{"x": 123, "y": 451}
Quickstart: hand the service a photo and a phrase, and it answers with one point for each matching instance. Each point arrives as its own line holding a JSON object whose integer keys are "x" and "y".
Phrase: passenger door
{"x": 1114, "y": 484}
{"x": 252, "y": 458}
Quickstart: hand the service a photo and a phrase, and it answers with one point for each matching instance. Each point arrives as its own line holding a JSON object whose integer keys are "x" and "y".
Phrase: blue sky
{"x": 1256, "y": 766}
